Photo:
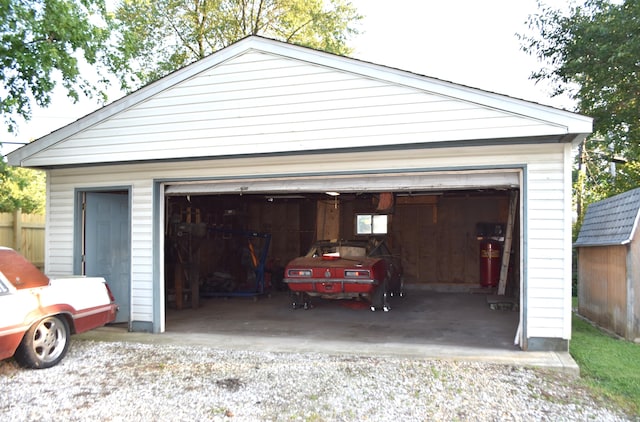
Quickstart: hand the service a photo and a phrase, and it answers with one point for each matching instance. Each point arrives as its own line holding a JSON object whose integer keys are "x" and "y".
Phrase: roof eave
{"x": 588, "y": 244}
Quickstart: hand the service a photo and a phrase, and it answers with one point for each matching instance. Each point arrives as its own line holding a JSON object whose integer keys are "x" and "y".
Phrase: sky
{"x": 469, "y": 42}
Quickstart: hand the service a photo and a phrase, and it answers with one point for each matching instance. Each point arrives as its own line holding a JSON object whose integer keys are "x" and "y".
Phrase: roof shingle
{"x": 611, "y": 221}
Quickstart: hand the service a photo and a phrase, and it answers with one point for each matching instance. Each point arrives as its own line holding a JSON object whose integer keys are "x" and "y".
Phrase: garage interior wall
{"x": 437, "y": 234}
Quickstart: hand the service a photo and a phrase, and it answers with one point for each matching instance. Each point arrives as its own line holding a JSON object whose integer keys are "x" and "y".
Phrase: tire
{"x": 44, "y": 344}
{"x": 380, "y": 298}
{"x": 401, "y": 292}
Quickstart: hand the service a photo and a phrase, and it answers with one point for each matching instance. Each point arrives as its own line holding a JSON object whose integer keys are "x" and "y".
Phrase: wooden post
{"x": 178, "y": 284}
{"x": 194, "y": 276}
{"x": 328, "y": 220}
{"x": 17, "y": 230}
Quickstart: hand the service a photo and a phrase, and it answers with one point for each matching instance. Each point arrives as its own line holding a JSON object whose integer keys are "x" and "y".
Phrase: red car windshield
{"x": 19, "y": 271}
{"x": 332, "y": 250}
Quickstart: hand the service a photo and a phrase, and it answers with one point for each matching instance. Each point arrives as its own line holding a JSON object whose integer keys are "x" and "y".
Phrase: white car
{"x": 38, "y": 314}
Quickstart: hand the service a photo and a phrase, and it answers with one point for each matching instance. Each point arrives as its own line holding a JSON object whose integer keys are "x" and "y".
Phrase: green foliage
{"x": 609, "y": 365}
{"x": 591, "y": 53}
{"x": 155, "y": 38}
{"x": 43, "y": 41}
{"x": 22, "y": 188}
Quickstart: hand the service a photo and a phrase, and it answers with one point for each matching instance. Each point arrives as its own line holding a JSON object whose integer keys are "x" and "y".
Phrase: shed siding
{"x": 602, "y": 296}
{"x": 548, "y": 239}
{"x": 633, "y": 279}
{"x": 261, "y": 103}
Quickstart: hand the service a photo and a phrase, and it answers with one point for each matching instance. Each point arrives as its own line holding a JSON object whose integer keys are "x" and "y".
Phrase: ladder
{"x": 508, "y": 240}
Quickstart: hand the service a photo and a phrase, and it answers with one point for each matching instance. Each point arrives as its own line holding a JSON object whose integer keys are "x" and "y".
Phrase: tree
{"x": 591, "y": 52}
{"x": 44, "y": 41}
{"x": 22, "y": 188}
{"x": 158, "y": 37}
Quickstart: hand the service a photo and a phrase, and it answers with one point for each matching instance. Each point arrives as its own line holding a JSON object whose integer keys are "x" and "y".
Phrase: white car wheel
{"x": 44, "y": 344}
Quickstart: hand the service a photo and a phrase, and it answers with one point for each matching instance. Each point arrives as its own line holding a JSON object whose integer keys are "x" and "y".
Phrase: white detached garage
{"x": 259, "y": 131}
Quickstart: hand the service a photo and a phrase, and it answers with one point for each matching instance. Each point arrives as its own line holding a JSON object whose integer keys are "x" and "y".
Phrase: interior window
{"x": 371, "y": 224}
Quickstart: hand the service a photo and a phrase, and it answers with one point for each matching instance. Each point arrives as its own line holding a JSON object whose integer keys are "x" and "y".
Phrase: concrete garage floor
{"x": 420, "y": 318}
{"x": 423, "y": 324}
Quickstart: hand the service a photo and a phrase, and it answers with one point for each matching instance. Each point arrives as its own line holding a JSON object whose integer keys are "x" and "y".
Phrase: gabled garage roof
{"x": 261, "y": 96}
{"x": 612, "y": 221}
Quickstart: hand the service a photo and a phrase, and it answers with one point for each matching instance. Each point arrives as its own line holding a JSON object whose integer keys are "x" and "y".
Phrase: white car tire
{"x": 44, "y": 344}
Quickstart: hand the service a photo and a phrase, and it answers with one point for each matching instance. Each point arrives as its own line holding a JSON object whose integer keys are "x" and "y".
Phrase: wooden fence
{"x": 24, "y": 233}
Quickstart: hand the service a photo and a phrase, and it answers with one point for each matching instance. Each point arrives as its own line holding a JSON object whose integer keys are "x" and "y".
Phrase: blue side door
{"x": 107, "y": 244}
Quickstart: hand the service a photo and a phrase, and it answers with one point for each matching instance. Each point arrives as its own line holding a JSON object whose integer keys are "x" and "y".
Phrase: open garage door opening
{"x": 226, "y": 254}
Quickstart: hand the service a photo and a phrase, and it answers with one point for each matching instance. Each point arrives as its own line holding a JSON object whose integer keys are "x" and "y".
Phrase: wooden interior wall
{"x": 292, "y": 225}
{"x": 414, "y": 229}
{"x": 434, "y": 234}
{"x": 282, "y": 221}
{"x": 437, "y": 240}
{"x": 602, "y": 286}
{"x": 214, "y": 256}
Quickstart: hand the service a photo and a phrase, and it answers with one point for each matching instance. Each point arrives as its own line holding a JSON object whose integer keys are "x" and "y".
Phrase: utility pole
{"x": 582, "y": 174}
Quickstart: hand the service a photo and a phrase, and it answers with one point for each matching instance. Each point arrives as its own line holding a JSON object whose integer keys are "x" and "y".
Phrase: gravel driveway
{"x": 116, "y": 381}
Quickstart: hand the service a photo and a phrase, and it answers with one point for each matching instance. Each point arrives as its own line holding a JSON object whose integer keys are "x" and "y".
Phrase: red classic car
{"x": 38, "y": 314}
{"x": 353, "y": 269}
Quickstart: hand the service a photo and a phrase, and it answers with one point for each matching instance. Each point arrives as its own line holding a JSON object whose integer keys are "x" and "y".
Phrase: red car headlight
{"x": 357, "y": 274}
{"x": 299, "y": 273}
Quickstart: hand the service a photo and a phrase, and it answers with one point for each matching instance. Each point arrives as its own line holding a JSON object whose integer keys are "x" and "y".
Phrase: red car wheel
{"x": 380, "y": 298}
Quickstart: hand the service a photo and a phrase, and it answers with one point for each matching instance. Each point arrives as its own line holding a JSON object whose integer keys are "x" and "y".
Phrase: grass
{"x": 610, "y": 366}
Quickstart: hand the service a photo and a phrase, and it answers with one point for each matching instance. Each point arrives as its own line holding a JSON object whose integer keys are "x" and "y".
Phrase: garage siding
{"x": 262, "y": 103}
{"x": 60, "y": 232}
{"x": 548, "y": 244}
{"x": 142, "y": 251}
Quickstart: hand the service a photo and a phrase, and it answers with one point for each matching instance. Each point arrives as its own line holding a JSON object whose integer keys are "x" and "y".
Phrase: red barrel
{"x": 489, "y": 263}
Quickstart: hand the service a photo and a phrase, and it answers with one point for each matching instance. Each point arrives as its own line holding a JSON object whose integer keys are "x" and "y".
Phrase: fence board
{"x": 25, "y": 234}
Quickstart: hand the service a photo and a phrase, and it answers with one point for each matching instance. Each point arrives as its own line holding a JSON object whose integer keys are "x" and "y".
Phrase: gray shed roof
{"x": 612, "y": 221}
